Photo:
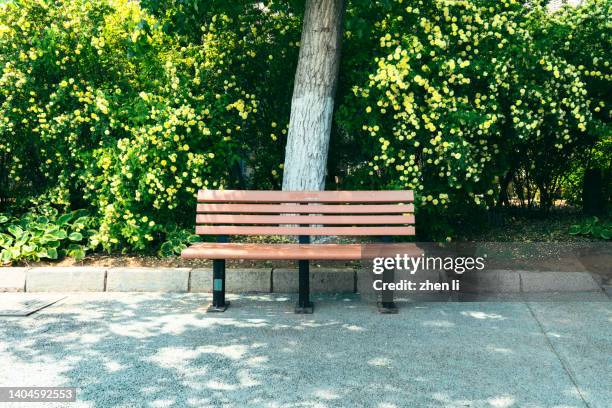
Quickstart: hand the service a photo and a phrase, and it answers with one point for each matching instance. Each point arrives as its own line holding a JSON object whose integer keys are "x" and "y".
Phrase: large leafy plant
{"x": 177, "y": 240}
{"x": 593, "y": 227}
{"x": 45, "y": 236}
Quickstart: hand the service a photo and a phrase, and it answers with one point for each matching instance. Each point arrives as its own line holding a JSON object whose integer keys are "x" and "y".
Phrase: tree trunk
{"x": 503, "y": 198}
{"x": 312, "y": 106}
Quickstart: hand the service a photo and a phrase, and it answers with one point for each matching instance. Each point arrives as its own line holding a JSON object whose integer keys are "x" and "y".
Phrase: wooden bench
{"x": 303, "y": 214}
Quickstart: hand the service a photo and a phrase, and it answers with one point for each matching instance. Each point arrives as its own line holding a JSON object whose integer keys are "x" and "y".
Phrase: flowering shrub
{"x": 460, "y": 93}
{"x": 100, "y": 108}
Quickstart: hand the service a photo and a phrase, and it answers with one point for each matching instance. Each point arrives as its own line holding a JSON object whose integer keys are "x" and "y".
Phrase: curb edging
{"x": 266, "y": 280}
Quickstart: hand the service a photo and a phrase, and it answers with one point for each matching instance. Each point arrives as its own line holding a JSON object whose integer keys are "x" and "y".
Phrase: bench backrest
{"x": 340, "y": 213}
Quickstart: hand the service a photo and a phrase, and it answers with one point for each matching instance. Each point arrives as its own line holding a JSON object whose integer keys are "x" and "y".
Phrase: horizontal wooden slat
{"x": 253, "y": 196}
{"x": 340, "y": 231}
{"x": 306, "y": 209}
{"x": 339, "y": 252}
{"x": 273, "y": 251}
{"x": 304, "y": 219}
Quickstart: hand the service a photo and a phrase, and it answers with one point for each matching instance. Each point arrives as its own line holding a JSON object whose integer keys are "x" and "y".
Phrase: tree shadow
{"x": 163, "y": 350}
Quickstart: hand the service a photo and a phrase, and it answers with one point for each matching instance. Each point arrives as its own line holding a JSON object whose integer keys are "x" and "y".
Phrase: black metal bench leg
{"x": 304, "y": 305}
{"x": 386, "y": 304}
{"x": 219, "y": 304}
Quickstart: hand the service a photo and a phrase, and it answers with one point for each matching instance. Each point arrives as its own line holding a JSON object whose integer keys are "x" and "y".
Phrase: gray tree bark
{"x": 312, "y": 106}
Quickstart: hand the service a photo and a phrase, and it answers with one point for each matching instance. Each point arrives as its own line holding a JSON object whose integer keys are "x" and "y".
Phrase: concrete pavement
{"x": 162, "y": 350}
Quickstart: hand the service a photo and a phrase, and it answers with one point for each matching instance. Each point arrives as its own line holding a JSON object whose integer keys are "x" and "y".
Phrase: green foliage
{"x": 458, "y": 94}
{"x": 101, "y": 108}
{"x": 127, "y": 108}
{"x": 177, "y": 240}
{"x": 593, "y": 227}
{"x": 45, "y": 235}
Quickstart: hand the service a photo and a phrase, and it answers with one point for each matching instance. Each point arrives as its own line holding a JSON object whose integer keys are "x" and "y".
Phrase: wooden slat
{"x": 306, "y": 209}
{"x": 340, "y": 252}
{"x": 337, "y": 252}
{"x": 304, "y": 219}
{"x": 340, "y": 231}
{"x": 252, "y": 196}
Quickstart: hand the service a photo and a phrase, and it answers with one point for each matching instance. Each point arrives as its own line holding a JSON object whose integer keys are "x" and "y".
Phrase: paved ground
{"x": 138, "y": 350}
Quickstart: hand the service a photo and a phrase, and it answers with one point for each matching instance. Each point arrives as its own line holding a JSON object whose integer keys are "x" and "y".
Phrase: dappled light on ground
{"x": 164, "y": 351}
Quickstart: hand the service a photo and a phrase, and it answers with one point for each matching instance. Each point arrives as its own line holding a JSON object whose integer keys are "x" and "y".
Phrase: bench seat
{"x": 273, "y": 251}
{"x": 315, "y": 252}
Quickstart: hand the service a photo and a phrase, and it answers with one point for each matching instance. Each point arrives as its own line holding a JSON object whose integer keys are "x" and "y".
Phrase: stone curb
{"x": 509, "y": 281}
{"x": 324, "y": 280}
{"x": 498, "y": 281}
{"x": 65, "y": 279}
{"x": 236, "y": 280}
{"x": 147, "y": 280}
{"x": 13, "y": 279}
{"x": 265, "y": 280}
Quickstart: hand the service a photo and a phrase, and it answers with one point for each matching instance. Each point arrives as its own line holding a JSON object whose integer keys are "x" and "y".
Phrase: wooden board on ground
{"x": 21, "y": 305}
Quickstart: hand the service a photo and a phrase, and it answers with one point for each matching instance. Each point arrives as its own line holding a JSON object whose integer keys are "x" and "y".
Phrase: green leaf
{"x": 64, "y": 219}
{"x": 28, "y": 249}
{"x": 596, "y": 230}
{"x": 21, "y": 240}
{"x": 52, "y": 253}
{"x": 78, "y": 254}
{"x": 5, "y": 256}
{"x": 15, "y": 230}
{"x": 80, "y": 222}
{"x": 3, "y": 219}
{"x": 194, "y": 238}
{"x": 75, "y": 236}
{"x": 5, "y": 240}
{"x": 80, "y": 214}
{"x": 575, "y": 230}
{"x": 59, "y": 234}
{"x": 53, "y": 244}
{"x": 166, "y": 249}
{"x": 177, "y": 249}
{"x": 42, "y": 220}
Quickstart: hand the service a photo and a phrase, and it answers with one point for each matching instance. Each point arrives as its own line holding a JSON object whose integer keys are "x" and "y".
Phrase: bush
{"x": 100, "y": 108}
{"x": 457, "y": 95}
{"x": 593, "y": 227}
{"x": 35, "y": 236}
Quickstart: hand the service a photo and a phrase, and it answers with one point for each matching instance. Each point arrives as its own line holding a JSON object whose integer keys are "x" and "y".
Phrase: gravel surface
{"x": 162, "y": 350}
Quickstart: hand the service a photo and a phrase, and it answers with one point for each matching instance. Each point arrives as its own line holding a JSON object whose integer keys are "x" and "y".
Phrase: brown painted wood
{"x": 304, "y": 219}
{"x": 273, "y": 251}
{"x": 376, "y": 212}
{"x": 340, "y": 252}
{"x": 306, "y": 209}
{"x": 340, "y": 231}
{"x": 253, "y": 196}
